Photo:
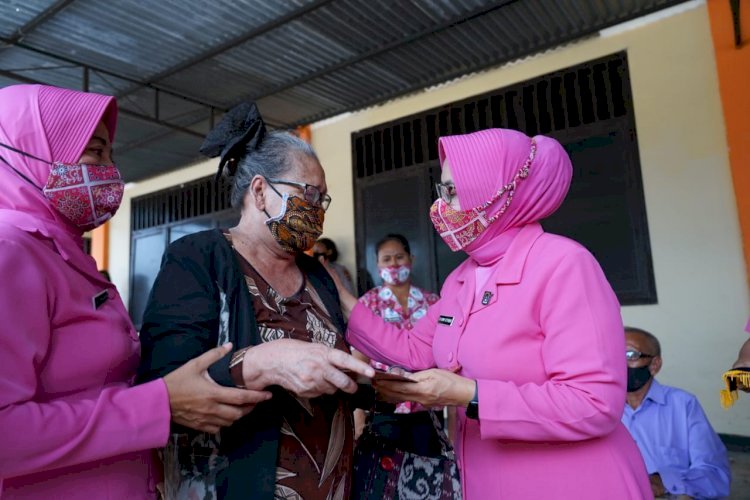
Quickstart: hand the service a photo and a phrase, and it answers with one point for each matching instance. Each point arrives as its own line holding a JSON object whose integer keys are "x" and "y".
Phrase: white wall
{"x": 692, "y": 216}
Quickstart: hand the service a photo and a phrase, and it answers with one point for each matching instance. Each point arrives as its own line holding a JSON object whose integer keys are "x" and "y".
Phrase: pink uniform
{"x": 544, "y": 339}
{"x": 72, "y": 426}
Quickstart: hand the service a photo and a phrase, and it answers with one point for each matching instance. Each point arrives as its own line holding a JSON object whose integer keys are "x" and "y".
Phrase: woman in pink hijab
{"x": 527, "y": 338}
{"x": 72, "y": 425}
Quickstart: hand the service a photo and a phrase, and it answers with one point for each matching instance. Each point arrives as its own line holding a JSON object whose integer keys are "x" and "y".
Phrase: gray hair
{"x": 650, "y": 338}
{"x": 276, "y": 155}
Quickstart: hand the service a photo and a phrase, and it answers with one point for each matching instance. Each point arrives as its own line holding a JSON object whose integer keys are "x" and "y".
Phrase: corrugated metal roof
{"x": 174, "y": 63}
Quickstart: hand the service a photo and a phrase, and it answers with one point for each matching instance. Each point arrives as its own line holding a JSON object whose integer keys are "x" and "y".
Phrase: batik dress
{"x": 316, "y": 444}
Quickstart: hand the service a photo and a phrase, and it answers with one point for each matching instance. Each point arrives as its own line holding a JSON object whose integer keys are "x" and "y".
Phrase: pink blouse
{"x": 547, "y": 349}
{"x": 72, "y": 426}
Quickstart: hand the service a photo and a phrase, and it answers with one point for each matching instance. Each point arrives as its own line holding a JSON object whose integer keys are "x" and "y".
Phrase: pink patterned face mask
{"x": 395, "y": 275}
{"x": 459, "y": 228}
{"x": 87, "y": 195}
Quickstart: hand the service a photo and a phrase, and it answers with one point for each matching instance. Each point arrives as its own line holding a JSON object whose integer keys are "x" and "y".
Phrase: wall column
{"x": 733, "y": 66}
{"x": 100, "y": 246}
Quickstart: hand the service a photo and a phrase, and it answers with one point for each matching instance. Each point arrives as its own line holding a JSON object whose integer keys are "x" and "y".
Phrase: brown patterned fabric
{"x": 316, "y": 446}
{"x": 299, "y": 227}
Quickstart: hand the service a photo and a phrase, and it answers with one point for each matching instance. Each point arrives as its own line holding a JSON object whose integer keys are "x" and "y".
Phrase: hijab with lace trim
{"x": 483, "y": 162}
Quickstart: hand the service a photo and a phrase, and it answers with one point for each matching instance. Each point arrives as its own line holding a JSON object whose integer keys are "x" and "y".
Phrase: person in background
{"x": 72, "y": 425}
{"x": 253, "y": 285}
{"x": 527, "y": 336}
{"x": 326, "y": 249}
{"x": 743, "y": 357}
{"x": 683, "y": 454}
{"x": 401, "y": 303}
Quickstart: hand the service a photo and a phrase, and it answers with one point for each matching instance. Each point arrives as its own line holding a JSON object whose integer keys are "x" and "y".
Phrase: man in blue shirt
{"x": 683, "y": 454}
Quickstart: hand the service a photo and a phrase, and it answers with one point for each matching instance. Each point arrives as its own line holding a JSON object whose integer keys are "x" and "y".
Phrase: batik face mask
{"x": 87, "y": 195}
{"x": 459, "y": 228}
{"x": 298, "y": 225}
{"x": 395, "y": 275}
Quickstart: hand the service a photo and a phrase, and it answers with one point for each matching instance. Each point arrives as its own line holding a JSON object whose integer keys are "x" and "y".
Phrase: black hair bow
{"x": 239, "y": 129}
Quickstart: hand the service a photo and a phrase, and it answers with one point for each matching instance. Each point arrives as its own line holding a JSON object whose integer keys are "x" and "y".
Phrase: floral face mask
{"x": 395, "y": 275}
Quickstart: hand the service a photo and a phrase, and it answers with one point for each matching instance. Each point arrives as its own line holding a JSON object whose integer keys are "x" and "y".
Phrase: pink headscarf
{"x": 483, "y": 162}
{"x": 53, "y": 124}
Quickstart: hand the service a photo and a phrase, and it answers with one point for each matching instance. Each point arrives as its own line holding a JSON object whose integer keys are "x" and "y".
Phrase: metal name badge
{"x": 100, "y": 298}
{"x": 445, "y": 320}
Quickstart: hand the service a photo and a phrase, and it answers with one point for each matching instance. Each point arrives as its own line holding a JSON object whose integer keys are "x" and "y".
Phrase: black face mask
{"x": 638, "y": 377}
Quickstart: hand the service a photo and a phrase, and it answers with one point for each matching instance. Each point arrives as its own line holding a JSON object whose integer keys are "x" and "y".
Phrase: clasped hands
{"x": 305, "y": 369}
{"x": 431, "y": 388}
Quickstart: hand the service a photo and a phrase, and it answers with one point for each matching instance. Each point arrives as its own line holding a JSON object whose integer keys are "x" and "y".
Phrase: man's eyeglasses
{"x": 311, "y": 193}
{"x": 633, "y": 355}
{"x": 446, "y": 191}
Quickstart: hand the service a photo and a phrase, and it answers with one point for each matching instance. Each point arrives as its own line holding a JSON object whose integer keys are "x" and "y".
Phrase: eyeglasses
{"x": 445, "y": 191}
{"x": 311, "y": 193}
{"x": 633, "y": 355}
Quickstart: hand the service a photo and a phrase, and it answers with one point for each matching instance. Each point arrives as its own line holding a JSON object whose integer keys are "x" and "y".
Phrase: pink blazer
{"x": 548, "y": 353}
{"x": 71, "y": 424}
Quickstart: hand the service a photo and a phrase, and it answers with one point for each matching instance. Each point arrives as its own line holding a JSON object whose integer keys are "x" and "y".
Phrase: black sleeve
{"x": 181, "y": 320}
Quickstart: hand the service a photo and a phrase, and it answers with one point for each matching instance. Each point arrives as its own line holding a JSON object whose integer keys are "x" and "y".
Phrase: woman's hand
{"x": 306, "y": 369}
{"x": 198, "y": 402}
{"x": 431, "y": 388}
{"x": 348, "y": 301}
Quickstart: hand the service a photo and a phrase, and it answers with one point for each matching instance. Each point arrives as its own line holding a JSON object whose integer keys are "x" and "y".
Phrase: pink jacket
{"x": 71, "y": 425}
{"x": 548, "y": 353}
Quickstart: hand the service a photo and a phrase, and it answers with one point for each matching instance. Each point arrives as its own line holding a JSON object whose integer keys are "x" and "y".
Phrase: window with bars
{"x": 193, "y": 199}
{"x": 159, "y": 218}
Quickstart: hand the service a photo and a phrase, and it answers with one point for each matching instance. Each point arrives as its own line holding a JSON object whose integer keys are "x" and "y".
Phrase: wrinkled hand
{"x": 306, "y": 369}
{"x": 432, "y": 388}
{"x": 198, "y": 402}
{"x": 657, "y": 486}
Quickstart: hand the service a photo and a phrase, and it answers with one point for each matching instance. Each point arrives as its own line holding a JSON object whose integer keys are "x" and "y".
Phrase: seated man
{"x": 683, "y": 454}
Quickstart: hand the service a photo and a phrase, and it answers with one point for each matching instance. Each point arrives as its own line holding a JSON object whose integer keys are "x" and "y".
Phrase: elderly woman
{"x": 253, "y": 285}
{"x": 72, "y": 425}
{"x": 527, "y": 337}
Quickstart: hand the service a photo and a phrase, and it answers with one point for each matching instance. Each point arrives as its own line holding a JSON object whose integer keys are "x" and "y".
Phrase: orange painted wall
{"x": 100, "y": 246}
{"x": 733, "y": 65}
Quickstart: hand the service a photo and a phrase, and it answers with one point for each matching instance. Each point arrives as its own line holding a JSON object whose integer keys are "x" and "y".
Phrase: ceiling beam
{"x": 151, "y": 86}
{"x": 220, "y": 49}
{"x": 43, "y": 16}
{"x": 123, "y": 111}
{"x": 430, "y": 30}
